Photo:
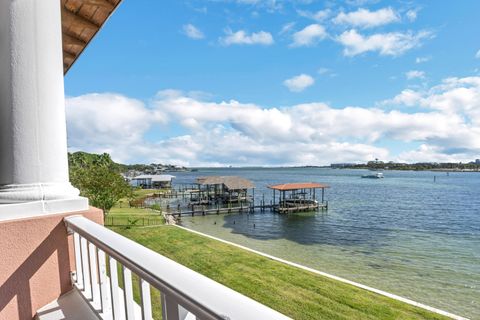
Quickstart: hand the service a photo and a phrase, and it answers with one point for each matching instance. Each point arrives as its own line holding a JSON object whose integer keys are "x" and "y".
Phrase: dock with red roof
{"x": 298, "y": 197}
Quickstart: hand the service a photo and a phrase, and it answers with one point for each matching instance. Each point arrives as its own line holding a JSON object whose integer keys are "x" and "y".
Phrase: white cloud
{"x": 299, "y": 83}
{"x": 193, "y": 32}
{"x": 445, "y": 121}
{"x": 286, "y": 28}
{"x": 270, "y": 5}
{"x": 327, "y": 72}
{"x": 477, "y": 55}
{"x": 309, "y": 35}
{"x": 407, "y": 97}
{"x": 243, "y": 38}
{"x": 457, "y": 99}
{"x": 108, "y": 123}
{"x": 364, "y": 18}
{"x": 422, "y": 59}
{"x": 361, "y": 2}
{"x": 319, "y": 16}
{"x": 392, "y": 44}
{"x": 415, "y": 74}
{"x": 411, "y": 15}
{"x": 425, "y": 153}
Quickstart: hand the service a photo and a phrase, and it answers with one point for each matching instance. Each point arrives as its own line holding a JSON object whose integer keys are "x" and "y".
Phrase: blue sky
{"x": 222, "y": 82}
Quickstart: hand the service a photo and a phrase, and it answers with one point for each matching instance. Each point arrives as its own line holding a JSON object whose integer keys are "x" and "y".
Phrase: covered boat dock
{"x": 220, "y": 190}
{"x": 298, "y": 197}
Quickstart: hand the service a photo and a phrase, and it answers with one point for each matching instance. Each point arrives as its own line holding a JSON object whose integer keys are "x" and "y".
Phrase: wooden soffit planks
{"x": 81, "y": 20}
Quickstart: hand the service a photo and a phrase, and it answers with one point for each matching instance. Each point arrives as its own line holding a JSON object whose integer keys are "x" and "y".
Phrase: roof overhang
{"x": 81, "y": 20}
{"x": 230, "y": 182}
{"x": 298, "y": 186}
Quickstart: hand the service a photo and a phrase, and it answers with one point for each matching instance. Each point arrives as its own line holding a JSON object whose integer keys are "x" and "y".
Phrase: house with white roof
{"x": 152, "y": 181}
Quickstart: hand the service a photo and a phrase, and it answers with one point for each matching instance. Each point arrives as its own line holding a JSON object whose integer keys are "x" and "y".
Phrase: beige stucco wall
{"x": 36, "y": 257}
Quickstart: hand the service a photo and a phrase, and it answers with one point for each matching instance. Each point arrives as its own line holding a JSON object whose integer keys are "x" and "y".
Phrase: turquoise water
{"x": 404, "y": 234}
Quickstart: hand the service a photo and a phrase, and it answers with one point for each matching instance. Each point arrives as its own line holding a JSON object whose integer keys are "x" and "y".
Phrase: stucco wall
{"x": 36, "y": 257}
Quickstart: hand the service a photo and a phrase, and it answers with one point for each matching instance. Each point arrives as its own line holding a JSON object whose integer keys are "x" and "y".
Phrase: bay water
{"x": 414, "y": 234}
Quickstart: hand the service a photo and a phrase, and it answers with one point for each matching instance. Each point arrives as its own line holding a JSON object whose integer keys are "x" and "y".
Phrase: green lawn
{"x": 146, "y": 192}
{"x": 126, "y": 211}
{"x": 294, "y": 292}
{"x": 125, "y": 216}
{"x": 137, "y": 194}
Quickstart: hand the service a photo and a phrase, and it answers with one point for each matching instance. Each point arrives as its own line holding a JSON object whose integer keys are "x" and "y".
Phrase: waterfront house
{"x": 152, "y": 181}
{"x": 55, "y": 252}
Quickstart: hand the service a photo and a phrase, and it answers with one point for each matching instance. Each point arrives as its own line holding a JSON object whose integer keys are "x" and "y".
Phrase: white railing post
{"x": 78, "y": 261}
{"x": 104, "y": 292}
{"x": 115, "y": 292}
{"x": 92, "y": 254}
{"x": 128, "y": 293}
{"x": 146, "y": 300}
{"x": 87, "y": 289}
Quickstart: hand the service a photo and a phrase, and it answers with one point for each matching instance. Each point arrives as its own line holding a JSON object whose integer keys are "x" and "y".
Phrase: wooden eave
{"x": 81, "y": 20}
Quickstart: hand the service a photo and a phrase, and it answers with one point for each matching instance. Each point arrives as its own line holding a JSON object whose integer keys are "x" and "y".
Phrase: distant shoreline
{"x": 343, "y": 168}
{"x": 414, "y": 169}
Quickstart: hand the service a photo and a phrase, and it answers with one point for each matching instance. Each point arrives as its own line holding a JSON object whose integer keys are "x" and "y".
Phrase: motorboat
{"x": 377, "y": 175}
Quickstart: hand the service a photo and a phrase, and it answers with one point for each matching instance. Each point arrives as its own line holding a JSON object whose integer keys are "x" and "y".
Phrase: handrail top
{"x": 194, "y": 290}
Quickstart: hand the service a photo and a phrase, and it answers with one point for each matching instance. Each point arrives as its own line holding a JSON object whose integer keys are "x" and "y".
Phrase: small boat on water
{"x": 377, "y": 175}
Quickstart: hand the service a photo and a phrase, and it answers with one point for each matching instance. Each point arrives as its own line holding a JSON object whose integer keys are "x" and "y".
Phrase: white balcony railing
{"x": 185, "y": 294}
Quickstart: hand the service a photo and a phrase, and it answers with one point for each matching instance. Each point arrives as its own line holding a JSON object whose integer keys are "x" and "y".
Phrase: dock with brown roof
{"x": 214, "y": 190}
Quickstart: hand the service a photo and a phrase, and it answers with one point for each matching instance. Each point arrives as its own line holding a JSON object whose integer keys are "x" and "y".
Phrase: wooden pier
{"x": 203, "y": 211}
{"x": 251, "y": 209}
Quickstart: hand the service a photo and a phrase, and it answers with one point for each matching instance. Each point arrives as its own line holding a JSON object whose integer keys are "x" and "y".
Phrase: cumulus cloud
{"x": 407, "y": 97}
{"x": 108, "y": 122}
{"x": 364, "y": 18}
{"x": 243, "y": 38}
{"x": 309, "y": 35}
{"x": 192, "y": 32}
{"x": 457, "y": 99}
{"x": 299, "y": 83}
{"x": 415, "y": 74}
{"x": 445, "y": 121}
{"x": 319, "y": 16}
{"x": 392, "y": 43}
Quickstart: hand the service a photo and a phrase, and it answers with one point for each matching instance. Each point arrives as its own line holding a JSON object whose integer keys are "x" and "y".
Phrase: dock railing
{"x": 185, "y": 294}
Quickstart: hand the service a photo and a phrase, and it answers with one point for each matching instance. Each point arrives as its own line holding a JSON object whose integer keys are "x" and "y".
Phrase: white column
{"x": 33, "y": 142}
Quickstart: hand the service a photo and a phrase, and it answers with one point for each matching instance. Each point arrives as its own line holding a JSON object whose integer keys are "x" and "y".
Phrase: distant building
{"x": 148, "y": 181}
{"x": 477, "y": 161}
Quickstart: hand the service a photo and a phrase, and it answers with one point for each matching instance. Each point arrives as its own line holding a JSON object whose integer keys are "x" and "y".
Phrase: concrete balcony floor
{"x": 70, "y": 306}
